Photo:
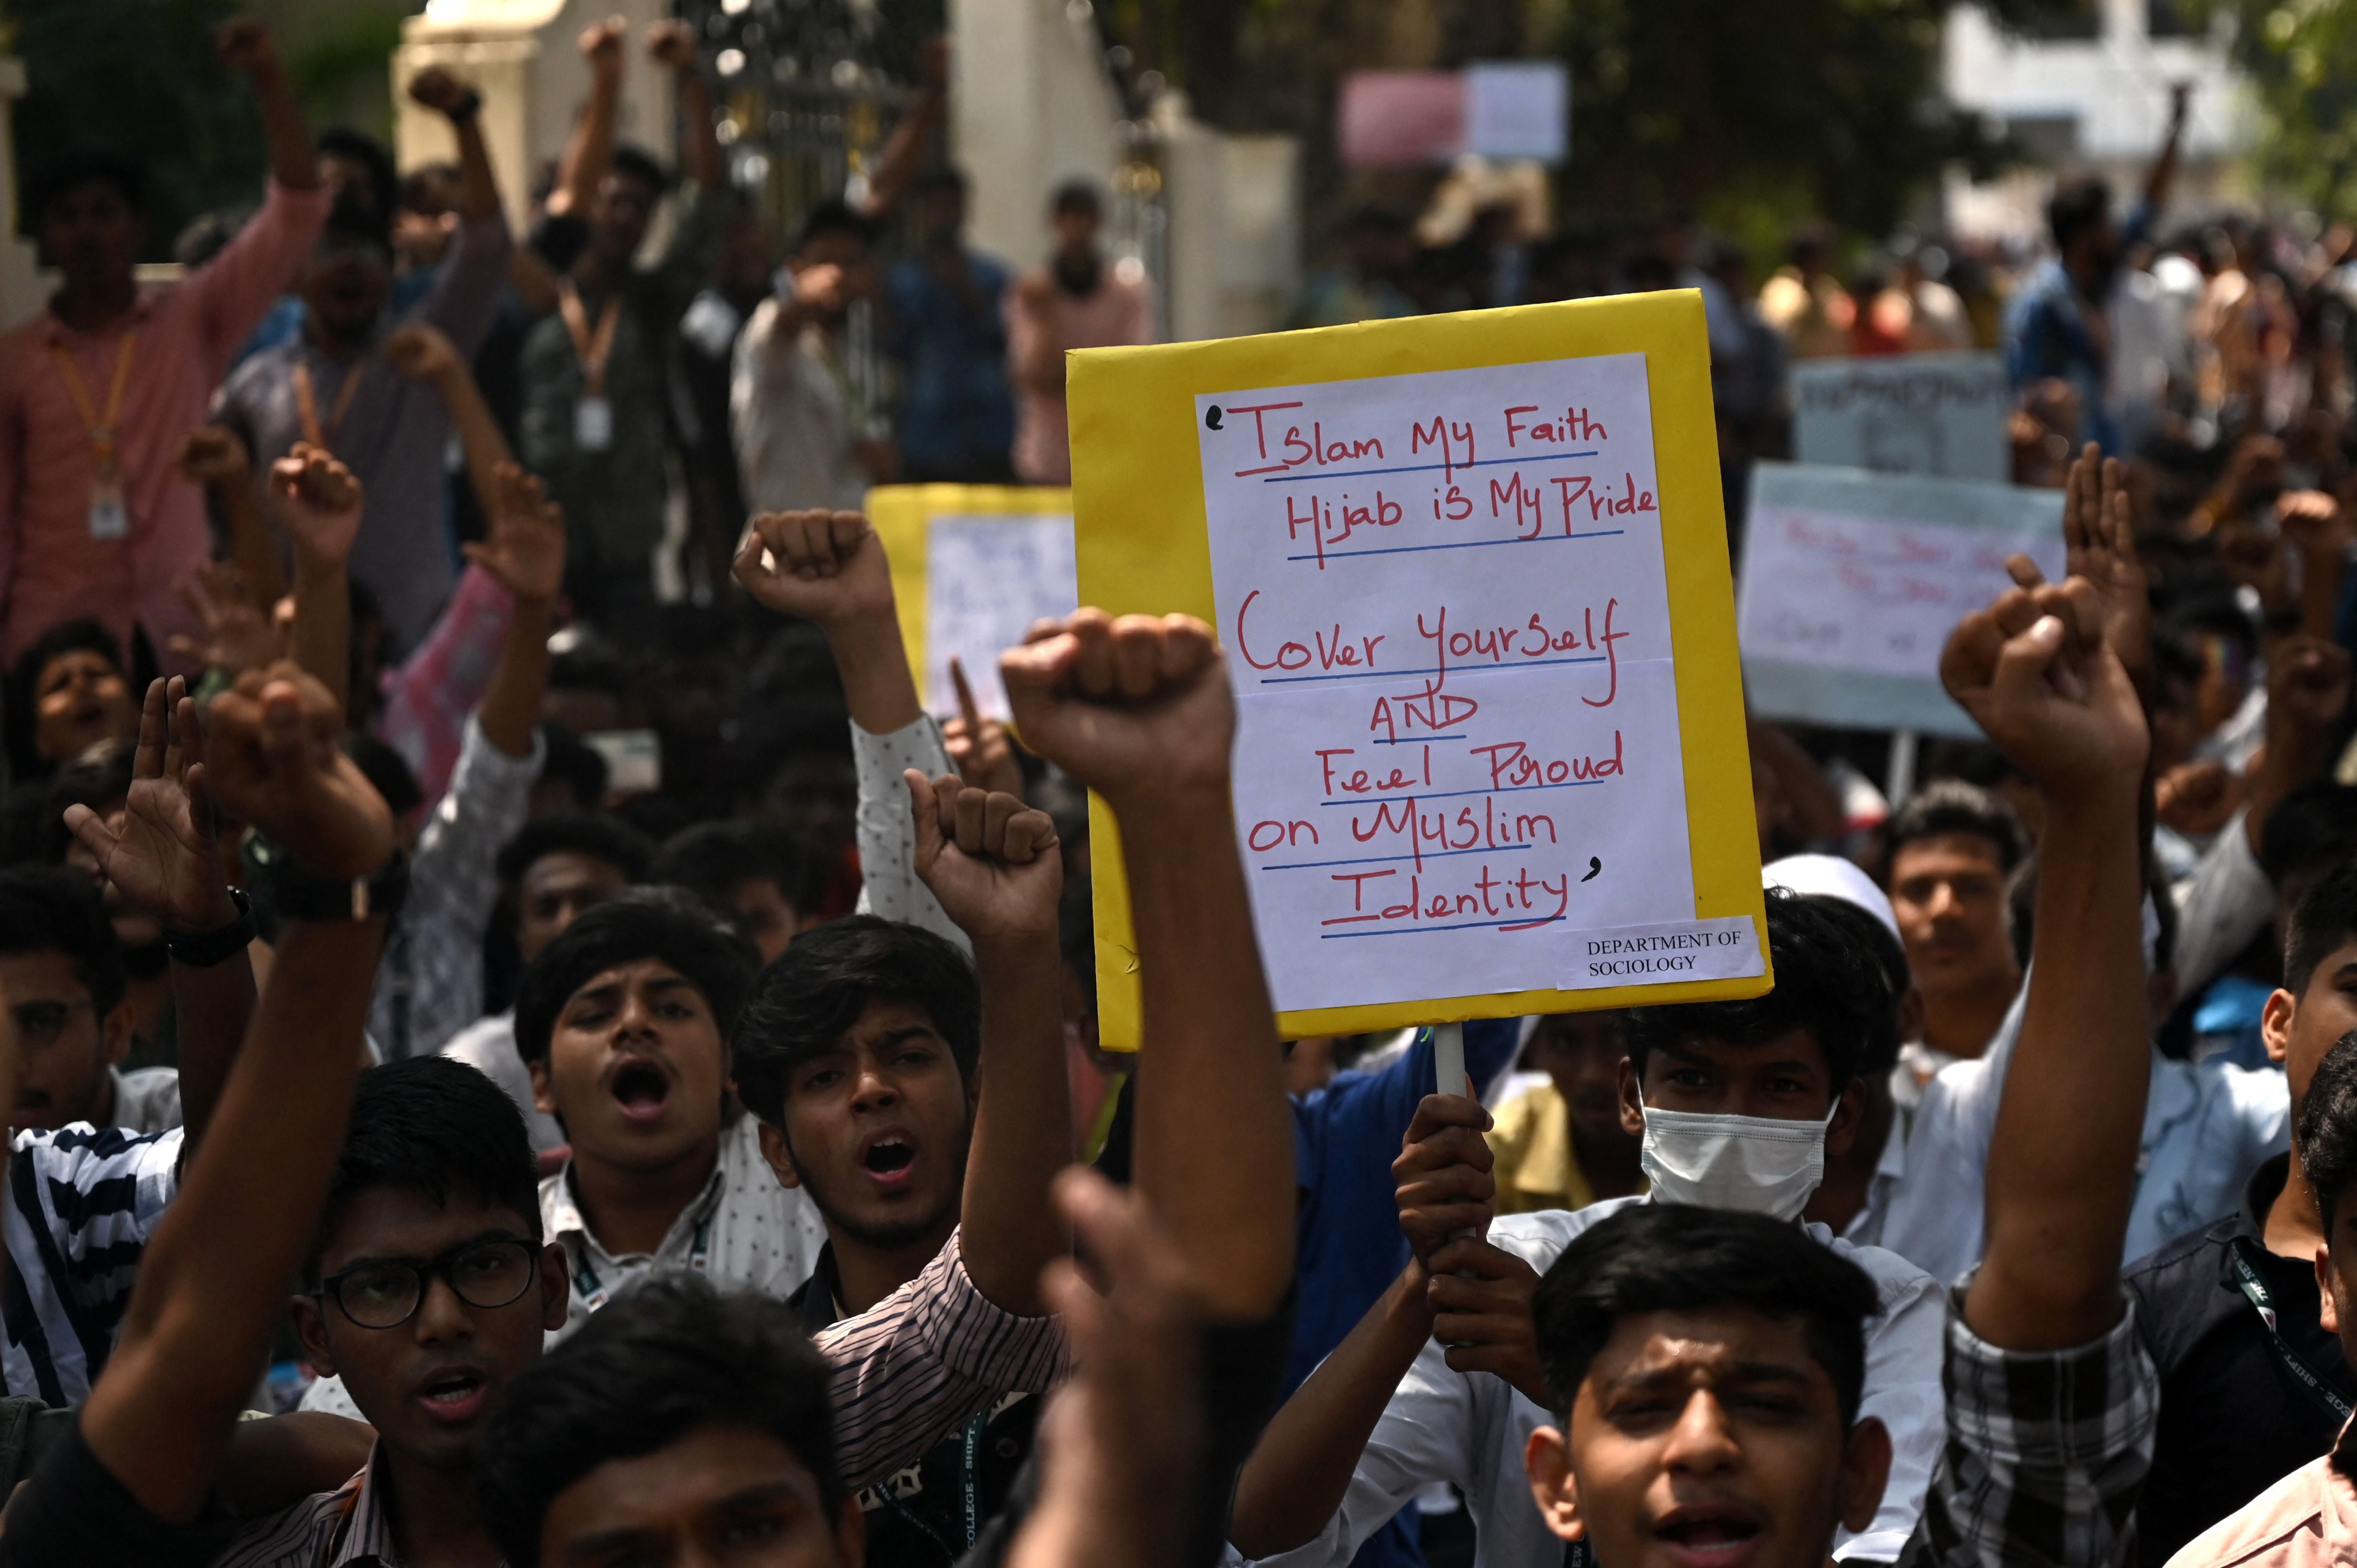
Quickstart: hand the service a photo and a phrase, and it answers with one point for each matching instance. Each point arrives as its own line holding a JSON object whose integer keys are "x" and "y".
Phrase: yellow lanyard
{"x": 594, "y": 348}
{"x": 100, "y": 426}
{"x": 307, "y": 404}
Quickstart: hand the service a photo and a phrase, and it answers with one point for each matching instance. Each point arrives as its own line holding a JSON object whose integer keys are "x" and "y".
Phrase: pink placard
{"x": 1394, "y": 117}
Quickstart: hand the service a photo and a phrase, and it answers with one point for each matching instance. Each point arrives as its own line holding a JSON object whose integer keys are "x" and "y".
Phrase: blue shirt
{"x": 957, "y": 411}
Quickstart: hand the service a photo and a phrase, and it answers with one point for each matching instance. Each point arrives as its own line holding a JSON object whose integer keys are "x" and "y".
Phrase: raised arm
{"x": 526, "y": 553}
{"x": 589, "y": 151}
{"x": 2308, "y": 691}
{"x": 2035, "y": 671}
{"x": 2163, "y": 174}
{"x": 215, "y": 458}
{"x": 320, "y": 502}
{"x": 455, "y": 101}
{"x": 829, "y": 568}
{"x": 1138, "y": 709}
{"x": 214, "y": 1277}
{"x": 672, "y": 45}
{"x": 996, "y": 868}
{"x": 904, "y": 152}
{"x": 421, "y": 352}
{"x": 247, "y": 48}
{"x": 162, "y": 856}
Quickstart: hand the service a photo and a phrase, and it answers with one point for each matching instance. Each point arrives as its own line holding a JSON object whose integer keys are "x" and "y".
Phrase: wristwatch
{"x": 204, "y": 949}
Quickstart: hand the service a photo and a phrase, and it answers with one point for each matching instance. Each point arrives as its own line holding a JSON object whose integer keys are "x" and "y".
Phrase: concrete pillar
{"x": 1030, "y": 108}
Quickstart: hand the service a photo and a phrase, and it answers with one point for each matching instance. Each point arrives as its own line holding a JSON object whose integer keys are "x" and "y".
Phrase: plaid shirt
{"x": 2046, "y": 1453}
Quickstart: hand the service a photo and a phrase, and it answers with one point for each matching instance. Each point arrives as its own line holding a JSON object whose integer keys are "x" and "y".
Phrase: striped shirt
{"x": 83, "y": 1203}
{"x": 914, "y": 1366}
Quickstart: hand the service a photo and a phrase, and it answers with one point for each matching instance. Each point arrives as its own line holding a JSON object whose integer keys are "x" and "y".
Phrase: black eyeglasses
{"x": 385, "y": 1293}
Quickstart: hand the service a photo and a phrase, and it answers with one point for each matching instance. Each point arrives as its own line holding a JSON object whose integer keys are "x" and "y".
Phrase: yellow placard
{"x": 1144, "y": 547}
{"x": 903, "y": 516}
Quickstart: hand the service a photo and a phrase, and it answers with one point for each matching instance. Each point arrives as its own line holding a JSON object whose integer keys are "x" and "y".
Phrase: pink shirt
{"x": 1117, "y": 315}
{"x": 51, "y": 568}
{"x": 2307, "y": 1520}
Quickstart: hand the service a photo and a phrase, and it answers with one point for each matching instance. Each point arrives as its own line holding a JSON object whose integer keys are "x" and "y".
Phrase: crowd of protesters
{"x": 662, "y": 1058}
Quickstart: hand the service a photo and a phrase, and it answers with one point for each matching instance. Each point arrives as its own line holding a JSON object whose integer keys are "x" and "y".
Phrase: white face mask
{"x": 1759, "y": 1165}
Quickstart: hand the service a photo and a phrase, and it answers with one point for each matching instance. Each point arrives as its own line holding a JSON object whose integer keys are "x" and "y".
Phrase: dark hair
{"x": 1882, "y": 1041}
{"x": 99, "y": 777}
{"x": 668, "y": 1357}
{"x": 835, "y": 218}
{"x": 569, "y": 760}
{"x": 591, "y": 834}
{"x": 1669, "y": 1257}
{"x": 386, "y": 769}
{"x": 69, "y": 171}
{"x": 2327, "y": 1132}
{"x": 661, "y": 923}
{"x": 636, "y": 163}
{"x": 435, "y": 1126}
{"x": 1952, "y": 806}
{"x": 419, "y": 185}
{"x": 385, "y": 178}
{"x": 2314, "y": 825}
{"x": 355, "y": 218}
{"x": 2077, "y": 206}
{"x": 939, "y": 179}
{"x": 825, "y": 979}
{"x": 1077, "y": 196}
{"x": 54, "y": 908}
{"x": 1827, "y": 984}
{"x": 713, "y": 860}
{"x": 2322, "y": 921}
{"x": 81, "y": 635}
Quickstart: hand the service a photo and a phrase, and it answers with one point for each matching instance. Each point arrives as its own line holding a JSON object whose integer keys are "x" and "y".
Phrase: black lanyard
{"x": 2256, "y": 1288}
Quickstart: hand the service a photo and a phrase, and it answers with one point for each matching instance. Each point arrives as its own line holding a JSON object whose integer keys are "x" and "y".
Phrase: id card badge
{"x": 109, "y": 518}
{"x": 592, "y": 424}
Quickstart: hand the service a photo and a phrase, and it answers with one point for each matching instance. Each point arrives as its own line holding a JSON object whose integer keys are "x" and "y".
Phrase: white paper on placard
{"x": 1942, "y": 415}
{"x": 986, "y": 580}
{"x": 1724, "y": 948}
{"x": 1447, "y": 622}
{"x": 1518, "y": 109}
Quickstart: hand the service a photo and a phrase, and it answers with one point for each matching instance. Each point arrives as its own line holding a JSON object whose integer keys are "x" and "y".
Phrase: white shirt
{"x": 792, "y": 405}
{"x": 1865, "y": 1228}
{"x": 1469, "y": 1428}
{"x": 147, "y": 1100}
{"x": 488, "y": 1046}
{"x": 888, "y": 835}
{"x": 2206, "y": 1129}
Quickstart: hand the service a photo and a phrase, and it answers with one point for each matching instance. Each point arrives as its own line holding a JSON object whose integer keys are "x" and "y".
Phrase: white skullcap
{"x": 1830, "y": 877}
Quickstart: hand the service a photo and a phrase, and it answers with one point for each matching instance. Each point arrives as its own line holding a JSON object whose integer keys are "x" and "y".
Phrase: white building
{"x": 2091, "y": 96}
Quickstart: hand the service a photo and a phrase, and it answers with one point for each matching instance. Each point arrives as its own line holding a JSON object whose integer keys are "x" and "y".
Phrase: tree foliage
{"x": 2298, "y": 56}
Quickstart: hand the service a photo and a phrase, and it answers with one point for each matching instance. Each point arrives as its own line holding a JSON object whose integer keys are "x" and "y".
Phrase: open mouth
{"x": 454, "y": 1395}
{"x": 1708, "y": 1537}
{"x": 640, "y": 1088}
{"x": 888, "y": 1157}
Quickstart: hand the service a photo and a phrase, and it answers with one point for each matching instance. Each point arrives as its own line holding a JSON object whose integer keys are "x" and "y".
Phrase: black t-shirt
{"x": 74, "y": 1510}
{"x": 2234, "y": 1418}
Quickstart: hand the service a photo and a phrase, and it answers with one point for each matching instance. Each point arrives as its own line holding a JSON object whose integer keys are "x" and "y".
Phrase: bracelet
{"x": 206, "y": 950}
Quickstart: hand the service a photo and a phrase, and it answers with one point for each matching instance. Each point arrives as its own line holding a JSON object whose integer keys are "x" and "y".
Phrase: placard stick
{"x": 1901, "y": 781}
{"x": 1448, "y": 1059}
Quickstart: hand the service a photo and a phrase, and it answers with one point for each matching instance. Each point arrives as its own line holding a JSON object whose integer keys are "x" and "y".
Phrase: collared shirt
{"x": 613, "y": 499}
{"x": 488, "y": 1046}
{"x": 1469, "y": 1428}
{"x": 51, "y": 568}
{"x": 1865, "y": 1227}
{"x": 744, "y": 1231}
{"x": 2206, "y": 1129}
{"x": 430, "y": 984}
{"x": 147, "y": 1100}
{"x": 2307, "y": 1520}
{"x": 82, "y": 1204}
{"x": 956, "y": 409}
{"x": 394, "y": 430}
{"x": 350, "y": 1527}
{"x": 2234, "y": 1417}
{"x": 798, "y": 419}
{"x": 1116, "y": 313}
{"x": 2045, "y": 1454}
{"x": 890, "y": 888}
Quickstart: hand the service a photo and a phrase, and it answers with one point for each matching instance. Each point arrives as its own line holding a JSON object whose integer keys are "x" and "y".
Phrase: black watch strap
{"x": 297, "y": 895}
{"x": 204, "y": 949}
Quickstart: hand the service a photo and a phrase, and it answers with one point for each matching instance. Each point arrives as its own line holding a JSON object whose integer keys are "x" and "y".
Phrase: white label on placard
{"x": 1724, "y": 948}
{"x": 1447, "y": 620}
{"x": 986, "y": 580}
